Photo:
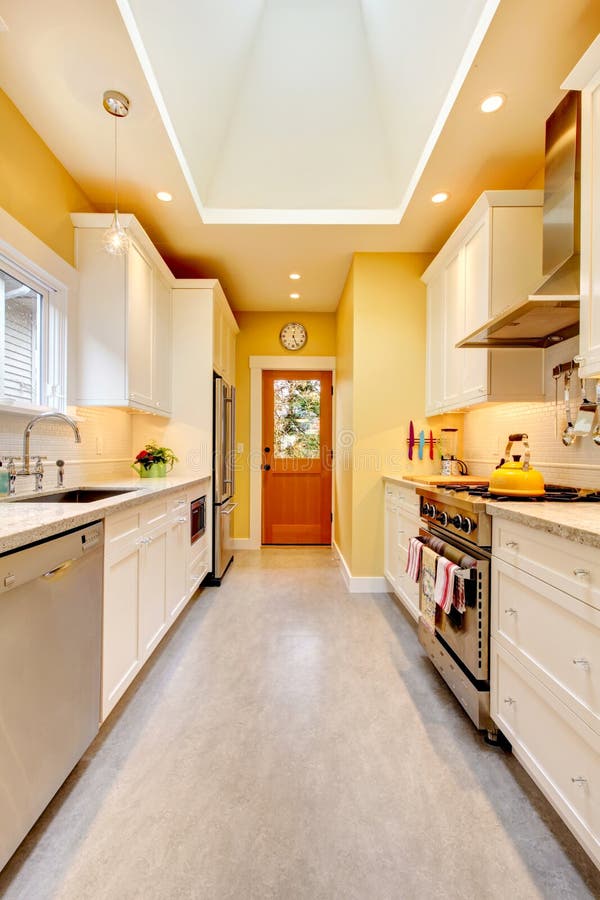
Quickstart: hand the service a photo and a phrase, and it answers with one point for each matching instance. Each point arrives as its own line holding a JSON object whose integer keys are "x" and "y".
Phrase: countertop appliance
{"x": 50, "y": 656}
{"x": 515, "y": 476}
{"x": 223, "y": 476}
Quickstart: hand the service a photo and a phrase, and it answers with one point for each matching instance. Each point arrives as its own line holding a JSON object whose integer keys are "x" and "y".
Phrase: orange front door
{"x": 297, "y": 458}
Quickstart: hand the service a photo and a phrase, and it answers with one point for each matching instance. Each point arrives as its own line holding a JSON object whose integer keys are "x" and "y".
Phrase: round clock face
{"x": 293, "y": 336}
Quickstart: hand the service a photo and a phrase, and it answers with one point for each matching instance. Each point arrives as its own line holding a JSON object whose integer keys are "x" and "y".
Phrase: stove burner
{"x": 554, "y": 494}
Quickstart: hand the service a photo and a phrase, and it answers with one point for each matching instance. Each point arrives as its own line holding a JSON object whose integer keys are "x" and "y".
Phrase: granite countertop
{"x": 416, "y": 481}
{"x": 24, "y": 523}
{"x": 578, "y": 522}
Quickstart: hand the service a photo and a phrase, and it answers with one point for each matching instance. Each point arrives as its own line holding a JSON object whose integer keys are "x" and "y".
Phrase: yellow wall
{"x": 34, "y": 187}
{"x": 344, "y": 419}
{"x": 259, "y": 336}
{"x": 381, "y": 334}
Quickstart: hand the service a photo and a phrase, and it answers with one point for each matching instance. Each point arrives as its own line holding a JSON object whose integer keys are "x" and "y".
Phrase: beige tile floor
{"x": 289, "y": 741}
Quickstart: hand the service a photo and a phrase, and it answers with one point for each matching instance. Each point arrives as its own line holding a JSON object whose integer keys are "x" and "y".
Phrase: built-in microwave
{"x": 198, "y": 518}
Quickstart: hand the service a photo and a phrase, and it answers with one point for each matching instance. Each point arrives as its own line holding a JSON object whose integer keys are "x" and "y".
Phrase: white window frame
{"x": 53, "y": 324}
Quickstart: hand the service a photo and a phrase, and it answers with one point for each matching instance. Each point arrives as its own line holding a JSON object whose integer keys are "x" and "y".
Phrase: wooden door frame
{"x": 257, "y": 365}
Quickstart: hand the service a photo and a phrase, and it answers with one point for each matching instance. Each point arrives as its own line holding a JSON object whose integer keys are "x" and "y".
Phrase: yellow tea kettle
{"x": 515, "y": 477}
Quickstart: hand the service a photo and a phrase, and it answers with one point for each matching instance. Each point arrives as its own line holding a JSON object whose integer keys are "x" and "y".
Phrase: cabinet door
{"x": 435, "y": 359}
{"x": 589, "y": 341}
{"x": 178, "y": 543}
{"x": 390, "y": 553}
{"x": 476, "y": 309}
{"x": 121, "y": 656}
{"x": 140, "y": 322}
{"x": 152, "y": 594}
{"x": 162, "y": 345}
{"x": 453, "y": 319}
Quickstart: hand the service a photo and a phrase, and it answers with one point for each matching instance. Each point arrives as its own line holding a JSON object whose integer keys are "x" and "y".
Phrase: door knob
{"x": 267, "y": 449}
{"x": 267, "y": 467}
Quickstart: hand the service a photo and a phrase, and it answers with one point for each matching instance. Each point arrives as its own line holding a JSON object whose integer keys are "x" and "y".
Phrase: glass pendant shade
{"x": 115, "y": 239}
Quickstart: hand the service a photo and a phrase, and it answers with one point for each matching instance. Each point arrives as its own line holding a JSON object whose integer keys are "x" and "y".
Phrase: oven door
{"x": 197, "y": 519}
{"x": 467, "y": 636}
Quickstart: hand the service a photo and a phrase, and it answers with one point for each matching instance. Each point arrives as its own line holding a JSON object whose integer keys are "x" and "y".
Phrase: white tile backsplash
{"x": 486, "y": 431}
{"x": 104, "y": 452}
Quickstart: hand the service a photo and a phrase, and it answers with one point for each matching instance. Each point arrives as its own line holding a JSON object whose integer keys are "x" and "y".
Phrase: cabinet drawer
{"x": 552, "y": 634}
{"x": 122, "y": 533}
{"x": 560, "y": 752}
{"x": 199, "y": 567}
{"x": 155, "y": 513}
{"x": 565, "y": 564}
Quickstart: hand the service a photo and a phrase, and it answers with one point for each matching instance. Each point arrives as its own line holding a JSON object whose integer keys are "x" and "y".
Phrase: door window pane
{"x": 297, "y": 413}
{"x": 20, "y": 321}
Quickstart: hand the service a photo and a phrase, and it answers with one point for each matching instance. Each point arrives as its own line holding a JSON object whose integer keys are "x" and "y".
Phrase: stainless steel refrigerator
{"x": 223, "y": 476}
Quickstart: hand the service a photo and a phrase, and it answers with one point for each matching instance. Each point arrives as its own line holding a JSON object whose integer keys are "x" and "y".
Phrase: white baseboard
{"x": 360, "y": 584}
{"x": 244, "y": 544}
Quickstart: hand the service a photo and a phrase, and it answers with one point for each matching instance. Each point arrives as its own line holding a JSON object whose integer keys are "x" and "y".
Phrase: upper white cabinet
{"x": 491, "y": 261}
{"x": 585, "y": 77}
{"x": 225, "y": 330}
{"x": 124, "y": 321}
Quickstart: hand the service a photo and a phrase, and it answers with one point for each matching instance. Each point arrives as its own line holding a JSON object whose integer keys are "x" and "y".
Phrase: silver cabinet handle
{"x": 510, "y": 611}
{"x": 509, "y": 700}
{"x": 579, "y": 780}
{"x": 182, "y": 519}
{"x": 180, "y": 503}
{"x": 582, "y": 661}
{"x": 581, "y": 573}
{"x": 227, "y": 510}
{"x": 512, "y": 545}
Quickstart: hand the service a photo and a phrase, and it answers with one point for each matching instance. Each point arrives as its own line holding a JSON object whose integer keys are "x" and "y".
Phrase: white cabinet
{"x": 150, "y": 572}
{"x": 544, "y": 679}
{"x": 124, "y": 321}
{"x": 585, "y": 77}
{"x": 401, "y": 522}
{"x": 225, "y": 330}
{"x": 492, "y": 260}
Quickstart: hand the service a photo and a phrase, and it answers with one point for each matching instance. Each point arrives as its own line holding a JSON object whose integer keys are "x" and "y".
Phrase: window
{"x": 32, "y": 341}
{"x": 297, "y": 413}
{"x": 20, "y": 326}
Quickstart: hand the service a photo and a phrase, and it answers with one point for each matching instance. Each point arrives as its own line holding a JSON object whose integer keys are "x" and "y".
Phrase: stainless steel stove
{"x": 456, "y": 524}
{"x": 457, "y": 510}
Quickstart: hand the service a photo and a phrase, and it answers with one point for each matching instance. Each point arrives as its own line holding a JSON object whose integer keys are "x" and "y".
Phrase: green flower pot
{"x": 156, "y": 470}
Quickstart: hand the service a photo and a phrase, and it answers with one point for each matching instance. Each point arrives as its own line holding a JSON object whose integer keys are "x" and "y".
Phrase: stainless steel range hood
{"x": 551, "y": 314}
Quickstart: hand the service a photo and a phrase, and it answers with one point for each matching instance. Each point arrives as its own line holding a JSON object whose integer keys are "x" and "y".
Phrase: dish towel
{"x": 413, "y": 563}
{"x": 429, "y": 559}
{"x": 444, "y": 583}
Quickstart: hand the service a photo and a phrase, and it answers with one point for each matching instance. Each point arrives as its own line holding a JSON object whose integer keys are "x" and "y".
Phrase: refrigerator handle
{"x": 230, "y": 459}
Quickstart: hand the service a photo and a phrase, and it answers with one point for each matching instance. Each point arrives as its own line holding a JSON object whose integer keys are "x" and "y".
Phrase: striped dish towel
{"x": 426, "y": 595}
{"x": 444, "y": 583}
{"x": 413, "y": 563}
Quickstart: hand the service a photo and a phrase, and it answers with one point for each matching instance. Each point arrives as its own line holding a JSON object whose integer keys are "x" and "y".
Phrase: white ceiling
{"x": 307, "y": 111}
{"x": 57, "y": 59}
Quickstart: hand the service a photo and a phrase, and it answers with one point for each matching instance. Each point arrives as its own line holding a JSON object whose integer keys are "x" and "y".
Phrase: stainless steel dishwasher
{"x": 50, "y": 646}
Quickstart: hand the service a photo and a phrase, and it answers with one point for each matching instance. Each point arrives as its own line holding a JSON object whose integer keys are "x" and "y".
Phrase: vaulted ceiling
{"x": 254, "y": 113}
{"x": 305, "y": 110}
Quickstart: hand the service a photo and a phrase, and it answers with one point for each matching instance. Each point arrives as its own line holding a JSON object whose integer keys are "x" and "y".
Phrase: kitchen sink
{"x": 79, "y": 495}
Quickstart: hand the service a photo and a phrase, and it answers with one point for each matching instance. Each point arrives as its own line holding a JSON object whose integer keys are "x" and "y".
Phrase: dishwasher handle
{"x": 59, "y": 569}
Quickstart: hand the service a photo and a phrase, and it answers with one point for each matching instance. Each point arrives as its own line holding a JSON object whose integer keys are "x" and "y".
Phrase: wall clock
{"x": 293, "y": 336}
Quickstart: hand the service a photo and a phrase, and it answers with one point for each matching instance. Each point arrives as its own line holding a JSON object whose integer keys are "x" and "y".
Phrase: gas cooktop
{"x": 554, "y": 493}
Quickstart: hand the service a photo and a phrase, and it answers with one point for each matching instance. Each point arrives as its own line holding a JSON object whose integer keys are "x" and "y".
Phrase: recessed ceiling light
{"x": 165, "y": 196}
{"x": 440, "y": 197}
{"x": 294, "y": 276}
{"x": 492, "y": 103}
{"x": 294, "y": 296}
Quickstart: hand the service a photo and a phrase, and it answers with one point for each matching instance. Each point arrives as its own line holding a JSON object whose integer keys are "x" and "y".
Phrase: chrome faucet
{"x": 26, "y": 470}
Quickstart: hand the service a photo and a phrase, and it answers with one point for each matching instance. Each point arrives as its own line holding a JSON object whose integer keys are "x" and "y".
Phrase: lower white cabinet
{"x": 544, "y": 678}
{"x": 400, "y": 524}
{"x": 150, "y": 572}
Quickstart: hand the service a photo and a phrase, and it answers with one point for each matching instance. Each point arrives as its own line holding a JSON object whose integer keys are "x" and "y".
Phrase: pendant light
{"x": 115, "y": 239}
